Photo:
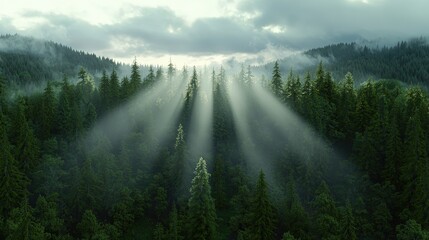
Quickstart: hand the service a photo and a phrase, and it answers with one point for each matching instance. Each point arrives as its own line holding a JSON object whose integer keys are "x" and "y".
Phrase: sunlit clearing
{"x": 200, "y": 132}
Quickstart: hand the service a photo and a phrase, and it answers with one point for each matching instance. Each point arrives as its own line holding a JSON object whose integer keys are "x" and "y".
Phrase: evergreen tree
{"x": 411, "y": 230}
{"x": 296, "y": 219}
{"x": 276, "y": 82}
{"x": 174, "y": 229}
{"x": 348, "y": 229}
{"x": 159, "y": 77}
{"x": 249, "y": 77}
{"x": 105, "y": 90}
{"x": 158, "y": 233}
{"x": 202, "y": 215}
{"x": 23, "y": 226}
{"x": 26, "y": 146}
{"x": 241, "y": 203}
{"x": 171, "y": 72}
{"x": 125, "y": 89}
{"x": 114, "y": 89}
{"x": 89, "y": 226}
{"x": 65, "y": 103}
{"x": 326, "y": 218}
{"x": 414, "y": 172}
{"x": 288, "y": 236}
{"x": 135, "y": 80}
{"x": 13, "y": 183}
{"x": 46, "y": 213}
{"x": 149, "y": 80}
{"x": 184, "y": 74}
{"x": 262, "y": 216}
{"x": 218, "y": 183}
{"x": 48, "y": 113}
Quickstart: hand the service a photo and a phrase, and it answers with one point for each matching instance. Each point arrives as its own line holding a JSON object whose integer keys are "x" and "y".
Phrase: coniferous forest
{"x": 209, "y": 153}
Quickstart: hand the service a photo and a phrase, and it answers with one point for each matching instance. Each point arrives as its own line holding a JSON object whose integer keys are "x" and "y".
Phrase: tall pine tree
{"x": 202, "y": 214}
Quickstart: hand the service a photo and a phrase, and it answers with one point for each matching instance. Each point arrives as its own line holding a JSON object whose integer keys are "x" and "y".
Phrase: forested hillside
{"x": 192, "y": 154}
{"x": 26, "y": 60}
{"x": 406, "y": 61}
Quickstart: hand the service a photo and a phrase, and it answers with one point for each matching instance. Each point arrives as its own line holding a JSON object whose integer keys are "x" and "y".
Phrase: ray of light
{"x": 200, "y": 134}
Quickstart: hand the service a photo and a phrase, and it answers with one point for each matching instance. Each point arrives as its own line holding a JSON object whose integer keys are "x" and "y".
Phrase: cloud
{"x": 247, "y": 28}
{"x": 311, "y": 22}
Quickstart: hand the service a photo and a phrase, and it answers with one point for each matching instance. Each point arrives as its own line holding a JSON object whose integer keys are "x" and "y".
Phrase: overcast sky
{"x": 201, "y": 32}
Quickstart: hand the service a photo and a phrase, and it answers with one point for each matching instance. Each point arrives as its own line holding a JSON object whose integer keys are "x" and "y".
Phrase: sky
{"x": 211, "y": 31}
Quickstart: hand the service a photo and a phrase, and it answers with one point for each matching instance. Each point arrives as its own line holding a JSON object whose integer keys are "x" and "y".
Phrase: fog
{"x": 154, "y": 111}
{"x": 200, "y": 128}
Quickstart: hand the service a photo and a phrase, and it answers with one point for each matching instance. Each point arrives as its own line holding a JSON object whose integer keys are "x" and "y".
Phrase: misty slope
{"x": 406, "y": 61}
{"x": 25, "y": 59}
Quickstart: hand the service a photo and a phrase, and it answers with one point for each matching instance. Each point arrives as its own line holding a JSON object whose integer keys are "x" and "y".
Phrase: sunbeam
{"x": 200, "y": 132}
{"x": 155, "y": 110}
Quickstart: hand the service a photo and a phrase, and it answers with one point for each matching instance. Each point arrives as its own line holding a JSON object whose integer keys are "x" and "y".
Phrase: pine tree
{"x": 276, "y": 82}
{"x": 125, "y": 89}
{"x": 202, "y": 215}
{"x": 248, "y": 79}
{"x": 13, "y": 183}
{"x": 262, "y": 216}
{"x": 65, "y": 102}
{"x": 326, "y": 218}
{"x": 174, "y": 229}
{"x": 414, "y": 172}
{"x": 241, "y": 75}
{"x": 177, "y": 166}
{"x": 26, "y": 146}
{"x": 171, "y": 72}
{"x": 158, "y": 233}
{"x": 105, "y": 90}
{"x": 348, "y": 229}
{"x": 114, "y": 89}
{"x": 218, "y": 178}
{"x": 48, "y": 111}
{"x": 296, "y": 219}
{"x": 89, "y": 226}
{"x": 320, "y": 76}
{"x": 23, "y": 226}
{"x": 159, "y": 76}
{"x": 411, "y": 230}
{"x": 135, "y": 80}
{"x": 184, "y": 74}
{"x": 149, "y": 80}
{"x": 46, "y": 213}
{"x": 241, "y": 204}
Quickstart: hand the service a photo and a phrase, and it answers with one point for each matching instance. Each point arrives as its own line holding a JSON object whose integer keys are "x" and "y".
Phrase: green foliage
{"x": 13, "y": 182}
{"x": 276, "y": 82}
{"x": 411, "y": 230}
{"x": 202, "y": 215}
{"x": 23, "y": 226}
{"x": 88, "y": 226}
{"x": 262, "y": 216}
{"x": 89, "y": 184}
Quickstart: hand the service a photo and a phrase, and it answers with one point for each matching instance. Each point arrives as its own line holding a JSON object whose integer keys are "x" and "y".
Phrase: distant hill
{"x": 407, "y": 61}
{"x": 25, "y": 59}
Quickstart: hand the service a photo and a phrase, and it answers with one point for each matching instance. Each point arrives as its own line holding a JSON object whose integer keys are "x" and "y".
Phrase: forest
{"x": 189, "y": 153}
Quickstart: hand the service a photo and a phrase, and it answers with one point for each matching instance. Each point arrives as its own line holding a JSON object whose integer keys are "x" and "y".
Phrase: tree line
{"x": 56, "y": 183}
